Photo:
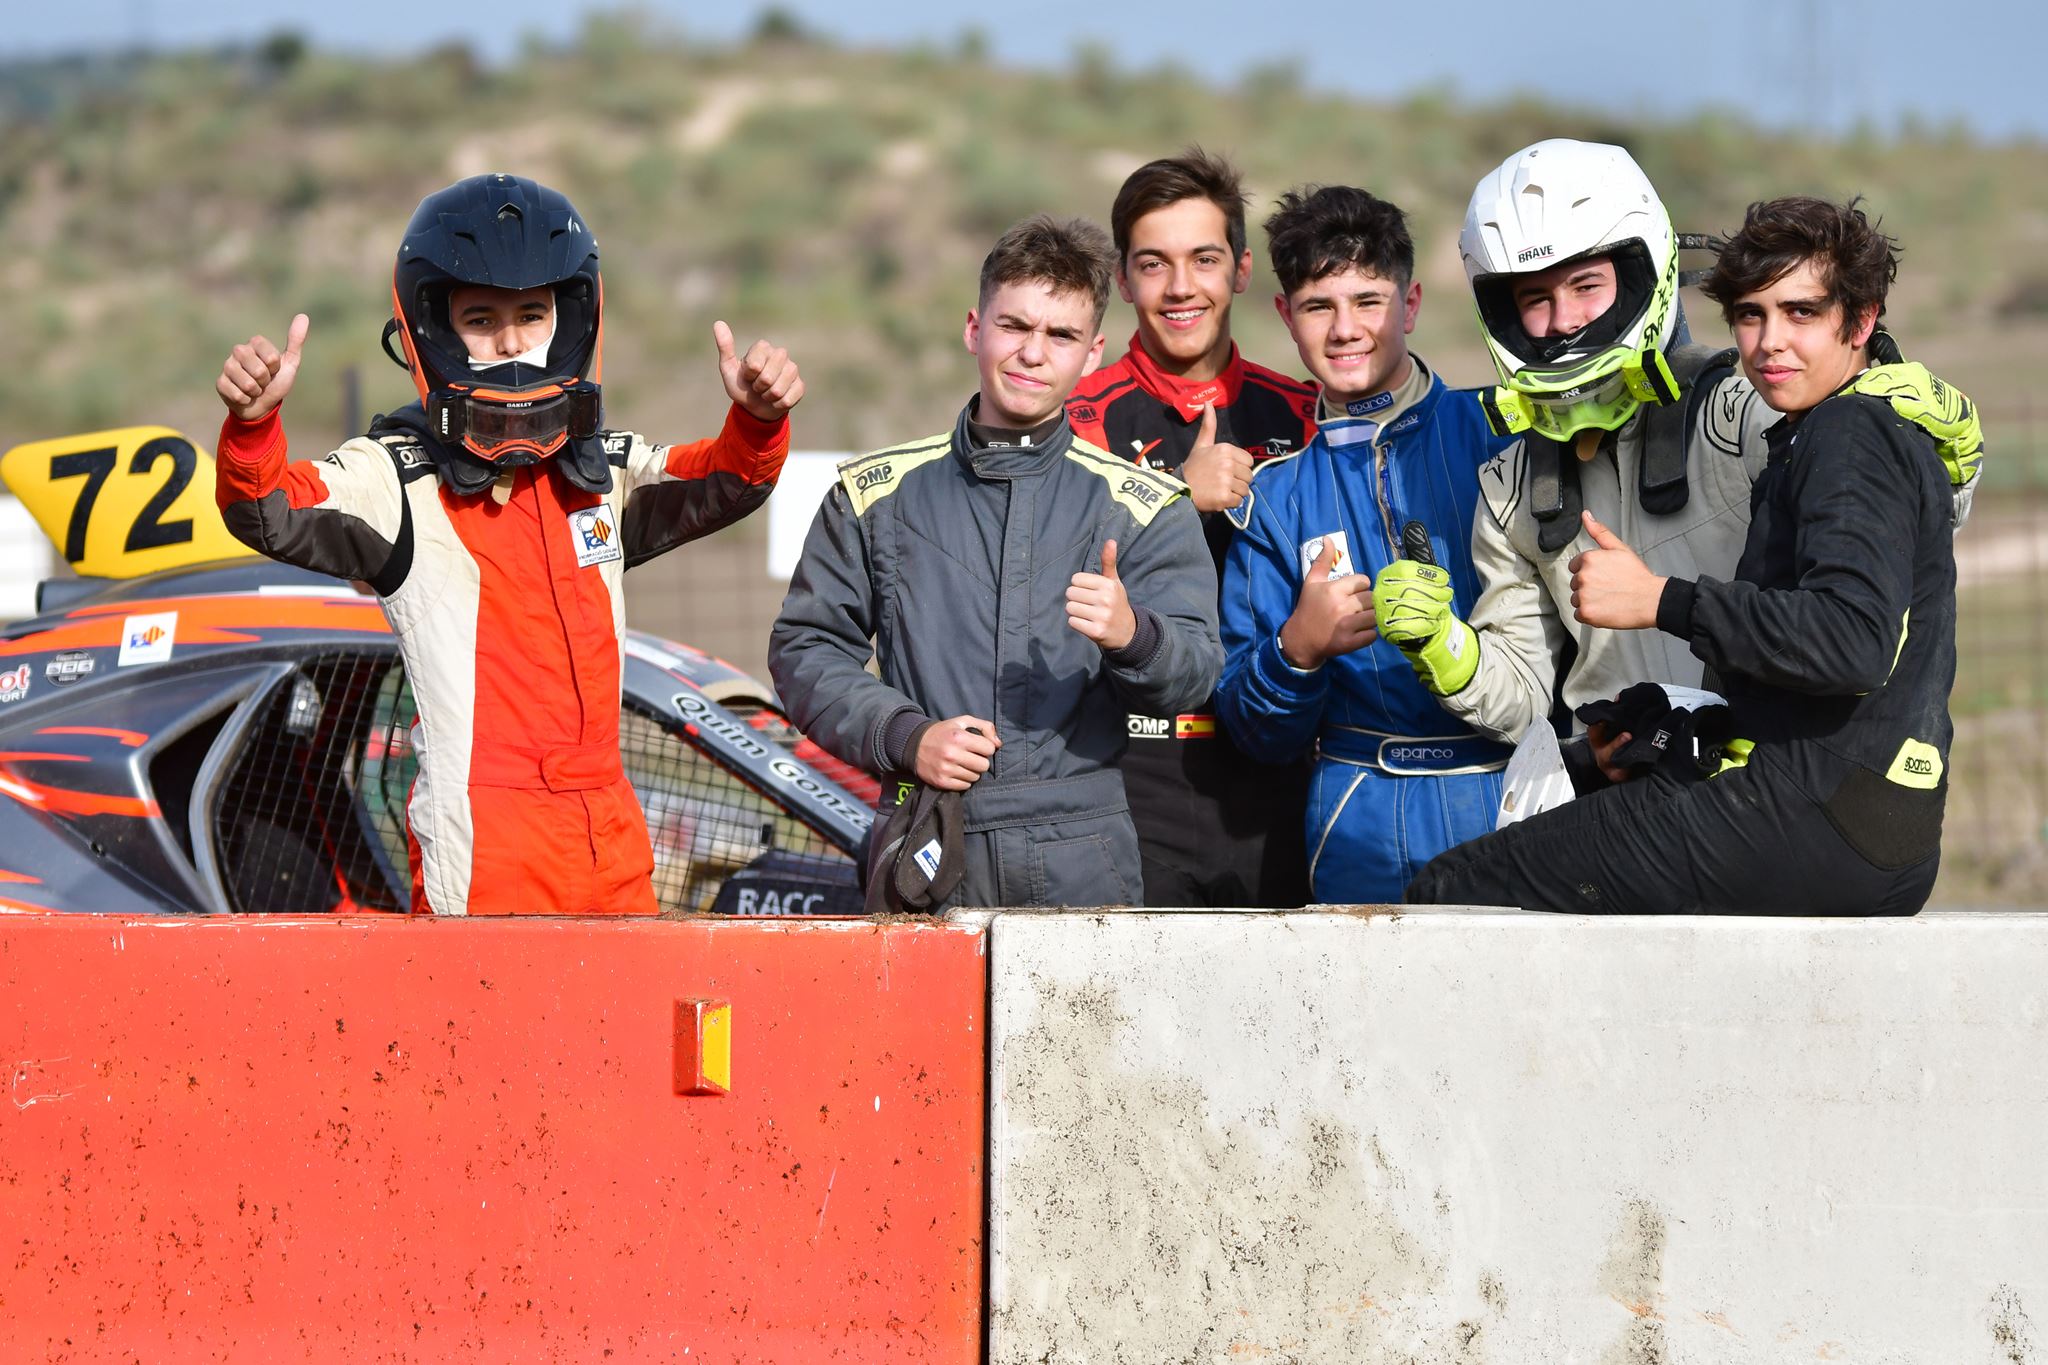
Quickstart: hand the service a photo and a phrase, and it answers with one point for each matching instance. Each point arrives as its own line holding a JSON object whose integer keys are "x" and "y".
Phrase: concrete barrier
{"x": 1487, "y": 1137}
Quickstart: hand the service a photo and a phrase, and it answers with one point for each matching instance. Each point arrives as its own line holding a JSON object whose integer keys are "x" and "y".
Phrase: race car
{"x": 189, "y": 729}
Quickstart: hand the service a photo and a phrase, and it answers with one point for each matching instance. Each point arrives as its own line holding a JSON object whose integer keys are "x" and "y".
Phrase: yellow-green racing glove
{"x": 1412, "y": 604}
{"x": 1937, "y": 407}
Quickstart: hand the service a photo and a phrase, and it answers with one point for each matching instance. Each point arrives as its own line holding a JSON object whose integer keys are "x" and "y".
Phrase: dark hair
{"x": 1857, "y": 262}
{"x": 1319, "y": 230}
{"x": 1194, "y": 174}
{"x": 1073, "y": 257}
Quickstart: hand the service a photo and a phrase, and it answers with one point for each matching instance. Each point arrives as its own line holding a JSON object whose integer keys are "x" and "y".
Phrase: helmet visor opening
{"x": 444, "y": 356}
{"x": 1635, "y": 284}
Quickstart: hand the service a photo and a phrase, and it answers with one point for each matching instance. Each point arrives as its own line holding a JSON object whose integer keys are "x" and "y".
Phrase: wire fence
{"x": 1995, "y": 842}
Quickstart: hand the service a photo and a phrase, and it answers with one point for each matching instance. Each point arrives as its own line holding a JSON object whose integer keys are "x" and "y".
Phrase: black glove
{"x": 1659, "y": 732}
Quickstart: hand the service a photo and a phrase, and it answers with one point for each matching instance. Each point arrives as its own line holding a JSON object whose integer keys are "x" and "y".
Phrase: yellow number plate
{"x": 118, "y": 504}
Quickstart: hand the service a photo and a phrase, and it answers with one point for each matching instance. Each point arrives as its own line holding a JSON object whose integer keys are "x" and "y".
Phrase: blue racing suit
{"x": 1396, "y": 780}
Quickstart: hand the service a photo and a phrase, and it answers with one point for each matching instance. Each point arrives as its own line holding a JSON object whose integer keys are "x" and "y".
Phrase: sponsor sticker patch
{"x": 789, "y": 901}
{"x": 14, "y": 684}
{"x": 69, "y": 667}
{"x": 927, "y": 858}
{"x": 148, "y": 639}
{"x": 1417, "y": 753}
{"x": 595, "y": 535}
{"x": 1312, "y": 550}
{"x": 1917, "y": 765}
{"x": 1193, "y": 401}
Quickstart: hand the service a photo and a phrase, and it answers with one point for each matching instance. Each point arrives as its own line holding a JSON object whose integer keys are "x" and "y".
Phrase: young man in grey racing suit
{"x": 1022, "y": 589}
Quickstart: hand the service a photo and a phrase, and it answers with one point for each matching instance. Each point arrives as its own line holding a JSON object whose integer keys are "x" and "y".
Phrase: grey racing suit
{"x": 954, "y": 559}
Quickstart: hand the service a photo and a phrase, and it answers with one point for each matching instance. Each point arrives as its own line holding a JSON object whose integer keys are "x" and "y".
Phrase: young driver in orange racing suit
{"x": 495, "y": 520}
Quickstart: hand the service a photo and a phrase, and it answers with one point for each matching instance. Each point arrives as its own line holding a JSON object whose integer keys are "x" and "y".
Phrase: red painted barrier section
{"x": 406, "y": 1139}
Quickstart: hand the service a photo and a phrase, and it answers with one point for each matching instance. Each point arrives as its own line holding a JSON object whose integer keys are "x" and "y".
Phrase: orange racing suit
{"x": 510, "y": 614}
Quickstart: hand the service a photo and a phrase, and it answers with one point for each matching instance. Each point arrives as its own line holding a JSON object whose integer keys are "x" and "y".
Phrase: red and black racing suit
{"x": 1215, "y": 828}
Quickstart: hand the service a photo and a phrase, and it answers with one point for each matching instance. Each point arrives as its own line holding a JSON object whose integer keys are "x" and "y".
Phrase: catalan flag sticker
{"x": 148, "y": 639}
{"x": 596, "y": 536}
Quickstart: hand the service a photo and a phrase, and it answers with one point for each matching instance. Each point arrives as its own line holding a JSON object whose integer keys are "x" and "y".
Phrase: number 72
{"x": 149, "y": 530}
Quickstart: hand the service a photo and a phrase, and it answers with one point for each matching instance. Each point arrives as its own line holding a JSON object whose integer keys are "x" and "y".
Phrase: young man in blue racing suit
{"x": 1392, "y": 471}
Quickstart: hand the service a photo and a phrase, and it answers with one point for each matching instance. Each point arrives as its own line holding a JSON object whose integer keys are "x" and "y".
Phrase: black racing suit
{"x": 1835, "y": 646}
{"x": 1215, "y": 828}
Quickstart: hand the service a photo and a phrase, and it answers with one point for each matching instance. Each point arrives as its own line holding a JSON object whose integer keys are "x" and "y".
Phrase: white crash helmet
{"x": 1555, "y": 202}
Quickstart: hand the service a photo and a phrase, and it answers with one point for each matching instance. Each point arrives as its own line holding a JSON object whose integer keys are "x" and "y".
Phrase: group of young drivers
{"x": 1179, "y": 629}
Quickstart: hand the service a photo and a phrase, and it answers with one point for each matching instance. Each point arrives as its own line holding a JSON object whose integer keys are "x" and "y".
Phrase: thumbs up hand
{"x": 1332, "y": 616}
{"x": 1414, "y": 604}
{"x": 1217, "y": 474}
{"x": 764, "y": 381}
{"x": 257, "y": 376}
{"x": 1098, "y": 607}
{"x": 1611, "y": 586}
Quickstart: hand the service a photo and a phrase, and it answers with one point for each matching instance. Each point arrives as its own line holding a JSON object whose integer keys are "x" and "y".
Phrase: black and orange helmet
{"x": 511, "y": 233}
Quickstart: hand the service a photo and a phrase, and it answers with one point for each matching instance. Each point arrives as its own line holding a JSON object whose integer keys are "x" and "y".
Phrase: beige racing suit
{"x": 1523, "y": 617}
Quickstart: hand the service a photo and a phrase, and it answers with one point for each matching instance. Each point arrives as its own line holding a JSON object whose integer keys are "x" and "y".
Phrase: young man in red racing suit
{"x": 495, "y": 520}
{"x": 1215, "y": 827}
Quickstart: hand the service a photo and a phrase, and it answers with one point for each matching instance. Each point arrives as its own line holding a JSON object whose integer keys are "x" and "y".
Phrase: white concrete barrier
{"x": 1488, "y": 1138}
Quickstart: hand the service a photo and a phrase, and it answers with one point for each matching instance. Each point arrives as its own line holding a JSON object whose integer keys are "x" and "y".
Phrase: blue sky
{"x": 1781, "y": 63}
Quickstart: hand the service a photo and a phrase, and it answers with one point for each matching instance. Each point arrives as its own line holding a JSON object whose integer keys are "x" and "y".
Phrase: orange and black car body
{"x": 235, "y": 738}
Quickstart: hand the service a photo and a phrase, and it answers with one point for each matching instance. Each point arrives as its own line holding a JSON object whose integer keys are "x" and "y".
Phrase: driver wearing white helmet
{"x": 1624, "y": 422}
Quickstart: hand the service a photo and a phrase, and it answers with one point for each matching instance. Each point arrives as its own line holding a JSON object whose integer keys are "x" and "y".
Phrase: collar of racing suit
{"x": 1384, "y": 408}
{"x": 1188, "y": 395}
{"x": 1003, "y": 452}
{"x": 581, "y": 460}
{"x": 1778, "y": 435}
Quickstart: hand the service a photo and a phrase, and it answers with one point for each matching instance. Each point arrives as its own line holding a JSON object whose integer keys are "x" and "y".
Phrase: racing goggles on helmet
{"x": 1595, "y": 396}
{"x": 514, "y": 426}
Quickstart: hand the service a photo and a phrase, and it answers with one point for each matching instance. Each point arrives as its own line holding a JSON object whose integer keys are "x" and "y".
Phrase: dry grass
{"x": 841, "y": 201}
